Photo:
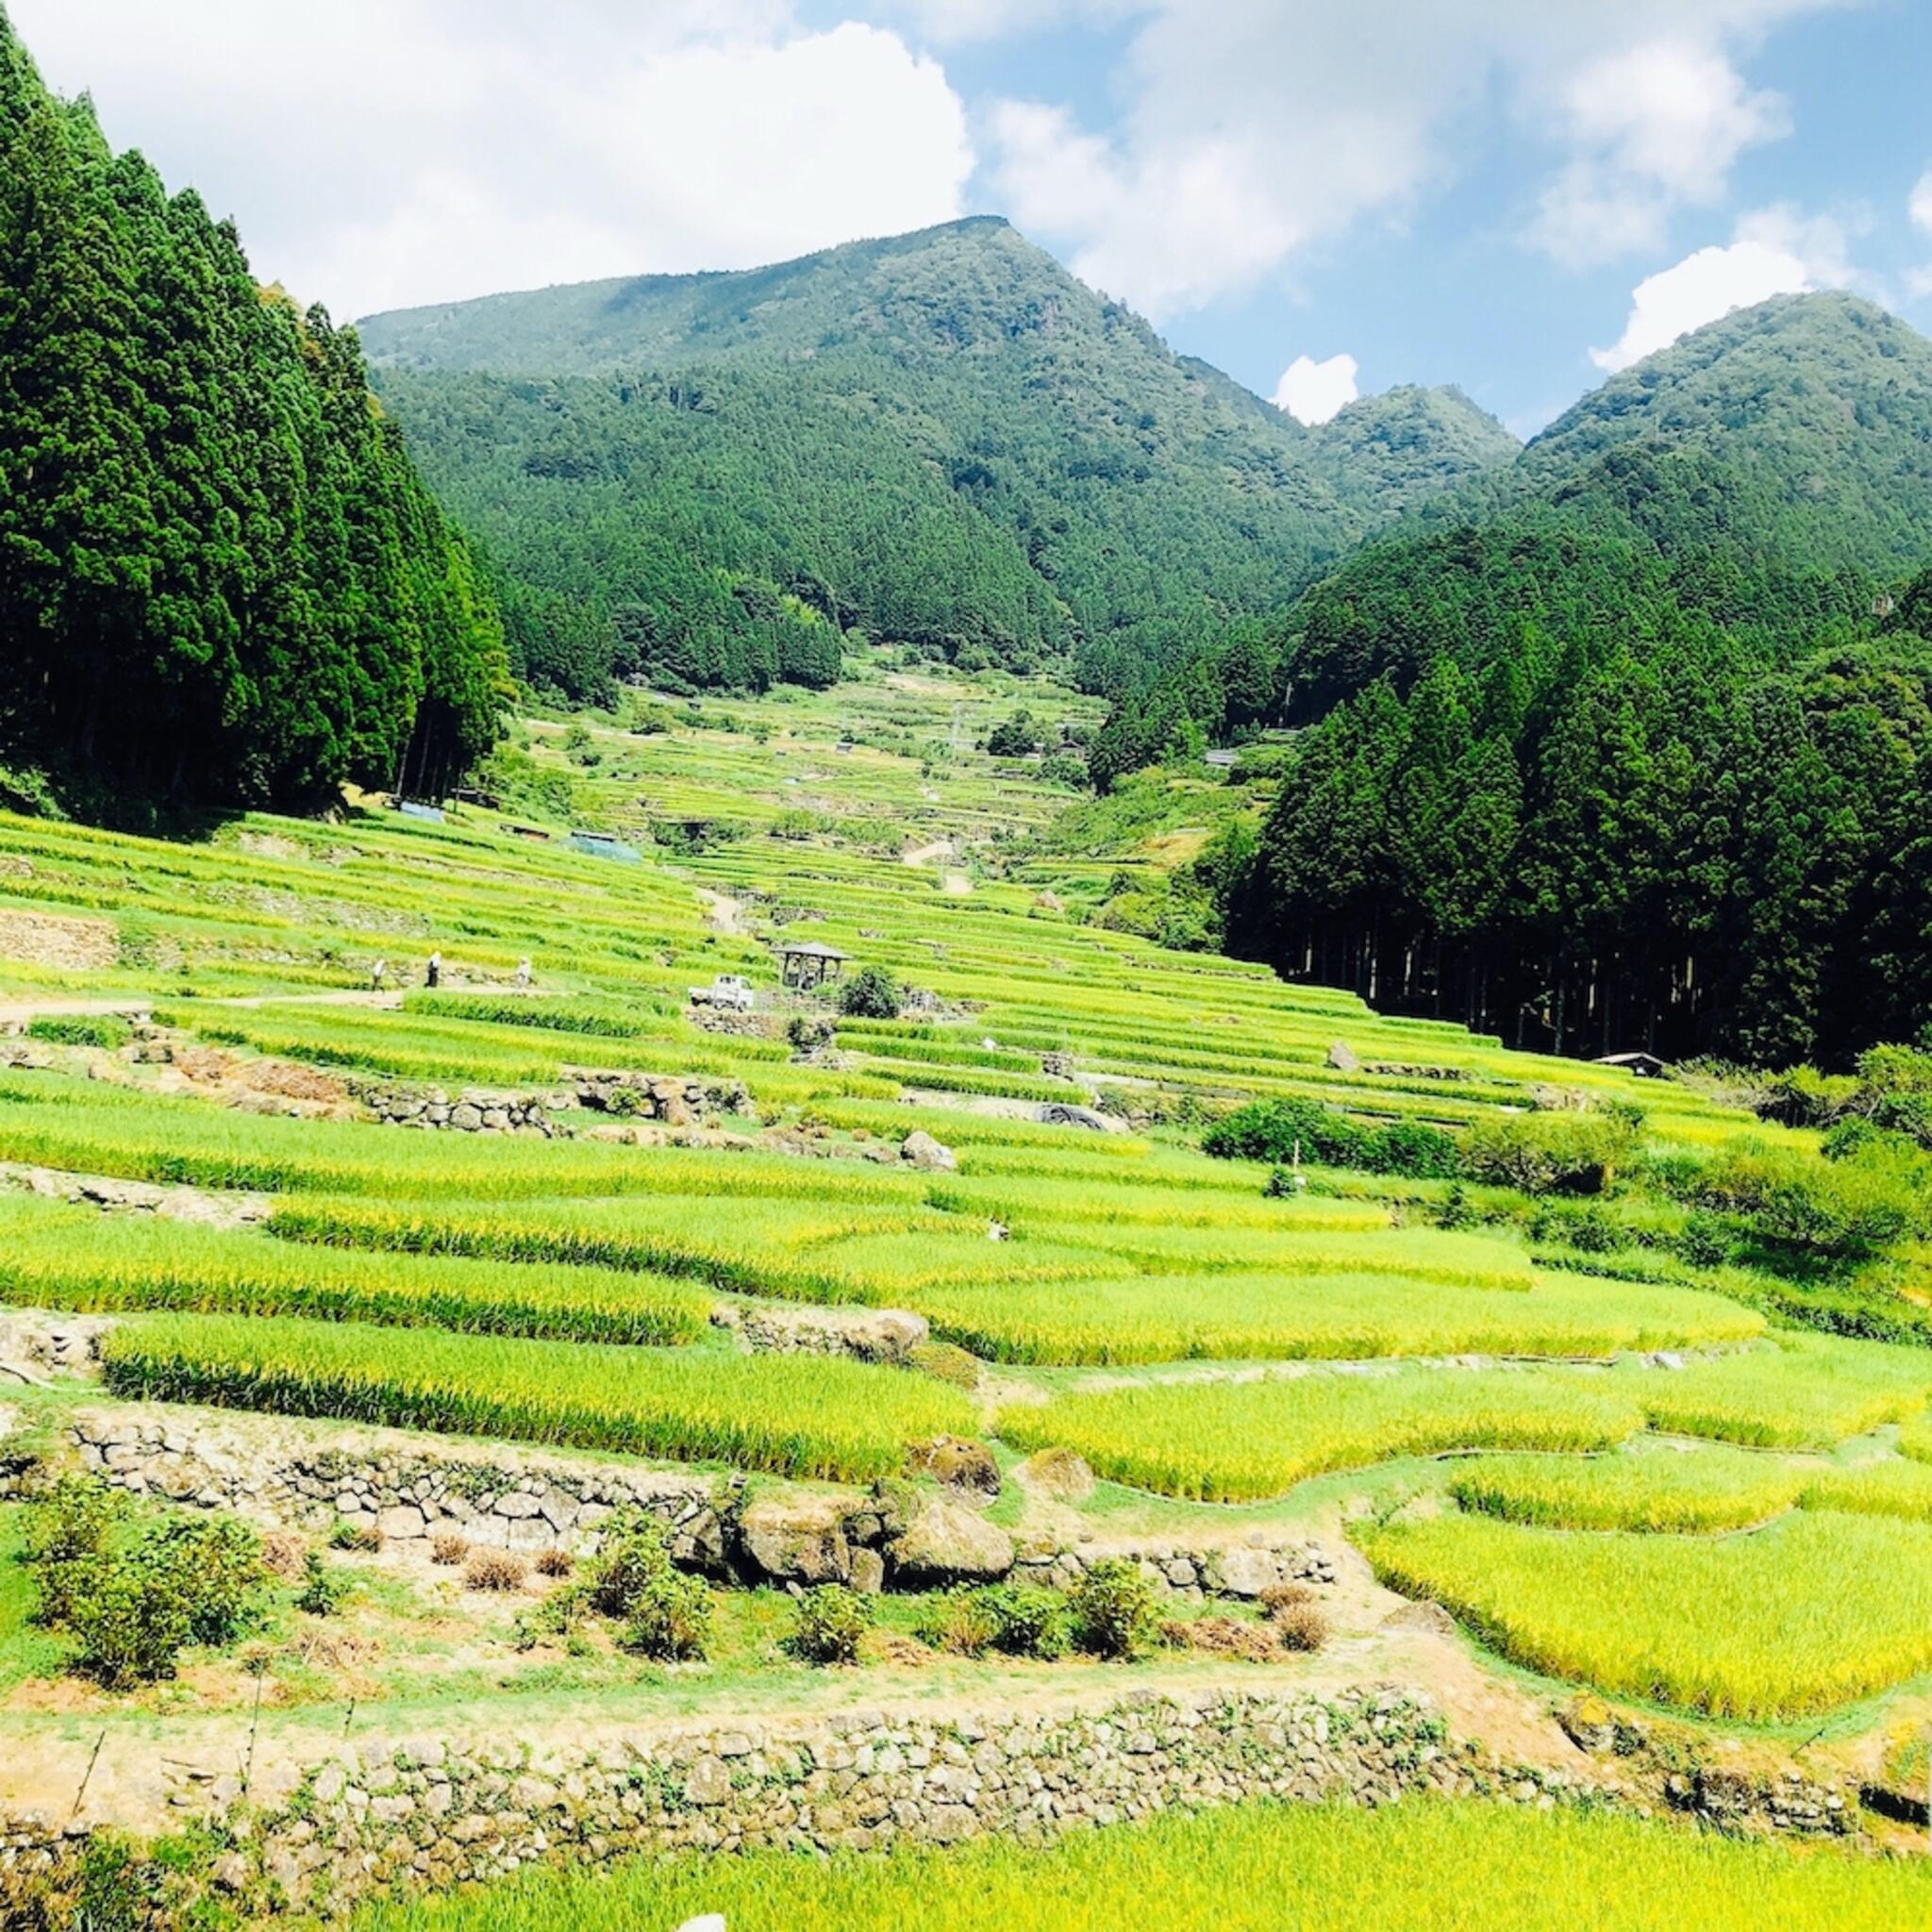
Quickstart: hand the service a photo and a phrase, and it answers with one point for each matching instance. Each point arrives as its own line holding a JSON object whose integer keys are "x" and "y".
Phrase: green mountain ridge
{"x": 941, "y": 438}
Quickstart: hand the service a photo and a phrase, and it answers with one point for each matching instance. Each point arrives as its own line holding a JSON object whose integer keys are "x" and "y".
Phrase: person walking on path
{"x": 377, "y": 974}
{"x": 433, "y": 978}
{"x": 523, "y": 975}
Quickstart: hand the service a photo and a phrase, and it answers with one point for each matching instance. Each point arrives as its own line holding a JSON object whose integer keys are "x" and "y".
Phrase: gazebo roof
{"x": 808, "y": 949}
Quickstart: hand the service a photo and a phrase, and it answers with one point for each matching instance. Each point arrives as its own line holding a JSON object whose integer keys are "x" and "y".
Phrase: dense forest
{"x": 1626, "y": 747}
{"x": 942, "y": 440}
{"x": 219, "y": 577}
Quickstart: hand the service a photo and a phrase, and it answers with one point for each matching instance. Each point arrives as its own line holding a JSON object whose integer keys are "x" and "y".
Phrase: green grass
{"x": 1815, "y": 1612}
{"x": 788, "y": 1414}
{"x": 1417, "y": 1867}
{"x": 1656, "y": 1488}
{"x": 56, "y": 1256}
{"x": 1238, "y": 1442}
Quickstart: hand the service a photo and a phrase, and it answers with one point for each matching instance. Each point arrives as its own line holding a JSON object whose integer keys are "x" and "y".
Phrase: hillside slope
{"x": 941, "y": 437}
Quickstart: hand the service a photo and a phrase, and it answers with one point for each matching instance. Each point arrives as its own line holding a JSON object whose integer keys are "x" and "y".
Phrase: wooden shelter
{"x": 804, "y": 964}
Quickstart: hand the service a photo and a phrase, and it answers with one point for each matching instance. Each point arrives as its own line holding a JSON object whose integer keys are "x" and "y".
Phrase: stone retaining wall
{"x": 528, "y": 1500}
{"x": 673, "y": 1100}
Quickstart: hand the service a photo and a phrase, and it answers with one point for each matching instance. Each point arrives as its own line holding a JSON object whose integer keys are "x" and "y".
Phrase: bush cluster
{"x": 666, "y": 1615}
{"x": 1012, "y": 1619}
{"x": 1284, "y": 1131}
{"x": 871, "y": 993}
{"x": 831, "y": 1623}
{"x": 1113, "y": 1610}
{"x": 134, "y": 1588}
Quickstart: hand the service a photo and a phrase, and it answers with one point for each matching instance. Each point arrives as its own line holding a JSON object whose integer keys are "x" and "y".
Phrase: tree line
{"x": 220, "y": 579}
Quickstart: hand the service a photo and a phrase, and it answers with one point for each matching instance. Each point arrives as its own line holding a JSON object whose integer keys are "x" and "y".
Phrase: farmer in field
{"x": 433, "y": 978}
{"x": 377, "y": 974}
{"x": 523, "y": 975}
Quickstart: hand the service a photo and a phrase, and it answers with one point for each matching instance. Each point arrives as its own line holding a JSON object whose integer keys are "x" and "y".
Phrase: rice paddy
{"x": 1202, "y": 1332}
{"x": 1423, "y": 1866}
{"x": 1816, "y": 1610}
{"x": 798, "y": 1415}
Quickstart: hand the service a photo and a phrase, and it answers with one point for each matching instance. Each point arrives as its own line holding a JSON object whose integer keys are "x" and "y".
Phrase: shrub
{"x": 322, "y": 1589}
{"x": 634, "y": 1553}
{"x": 831, "y": 1622}
{"x": 133, "y": 1591}
{"x": 364, "y": 1536}
{"x": 1029, "y": 1619}
{"x": 1875, "y": 1194}
{"x": 555, "y": 1562}
{"x": 68, "y": 1526}
{"x": 670, "y": 1618}
{"x": 1279, "y": 1130}
{"x": 1549, "y": 1153}
{"x": 1280, "y": 1597}
{"x": 1414, "y": 1150}
{"x": 959, "y": 1622}
{"x": 1113, "y": 1610}
{"x": 448, "y": 1550}
{"x": 871, "y": 993}
{"x": 1300, "y": 1626}
{"x": 1704, "y": 1242}
{"x": 80, "y": 1029}
{"x": 495, "y": 1571}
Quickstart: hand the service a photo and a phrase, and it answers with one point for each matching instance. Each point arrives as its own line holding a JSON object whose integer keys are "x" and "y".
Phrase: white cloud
{"x": 385, "y": 152}
{"x": 1772, "y": 252}
{"x": 1920, "y": 205}
{"x": 1252, "y": 132}
{"x": 1315, "y": 392}
{"x": 1655, "y": 126}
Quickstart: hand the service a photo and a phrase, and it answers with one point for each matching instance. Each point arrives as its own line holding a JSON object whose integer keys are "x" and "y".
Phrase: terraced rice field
{"x": 1200, "y": 1336}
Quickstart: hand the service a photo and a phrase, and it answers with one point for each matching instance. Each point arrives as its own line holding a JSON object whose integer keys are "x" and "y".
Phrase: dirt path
{"x": 727, "y": 914}
{"x": 927, "y": 854}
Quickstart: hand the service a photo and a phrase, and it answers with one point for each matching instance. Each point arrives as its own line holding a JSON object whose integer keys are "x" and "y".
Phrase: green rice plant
{"x": 607, "y": 1019}
{"x": 1426, "y": 1865}
{"x": 1791, "y": 1392}
{"x": 1142, "y": 1203}
{"x": 801, "y": 1249}
{"x": 1812, "y": 1612}
{"x": 56, "y": 1256}
{"x": 1420, "y": 1254}
{"x": 788, "y": 1414}
{"x": 1885, "y": 1488}
{"x": 1915, "y": 1437}
{"x": 1317, "y": 1317}
{"x": 1646, "y": 1487}
{"x": 1239, "y": 1441}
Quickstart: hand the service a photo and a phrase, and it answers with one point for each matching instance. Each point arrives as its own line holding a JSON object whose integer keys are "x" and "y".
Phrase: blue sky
{"x": 1512, "y": 194}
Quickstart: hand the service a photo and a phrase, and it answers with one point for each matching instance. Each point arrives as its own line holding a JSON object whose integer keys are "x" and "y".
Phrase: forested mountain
{"x": 220, "y": 578}
{"x": 1406, "y": 446}
{"x": 1629, "y": 743}
{"x": 941, "y": 438}
{"x": 1819, "y": 408}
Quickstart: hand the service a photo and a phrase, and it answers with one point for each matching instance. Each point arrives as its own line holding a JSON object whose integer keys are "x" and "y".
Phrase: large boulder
{"x": 928, "y": 1155}
{"x": 795, "y": 1539}
{"x": 1061, "y": 1113}
{"x": 1342, "y": 1059}
{"x": 947, "y": 1540}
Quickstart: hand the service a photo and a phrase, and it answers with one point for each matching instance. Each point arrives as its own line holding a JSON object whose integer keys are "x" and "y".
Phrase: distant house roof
{"x": 1645, "y": 1063}
{"x": 808, "y": 949}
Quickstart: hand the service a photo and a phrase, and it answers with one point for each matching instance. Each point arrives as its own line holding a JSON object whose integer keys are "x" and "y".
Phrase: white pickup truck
{"x": 729, "y": 991}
